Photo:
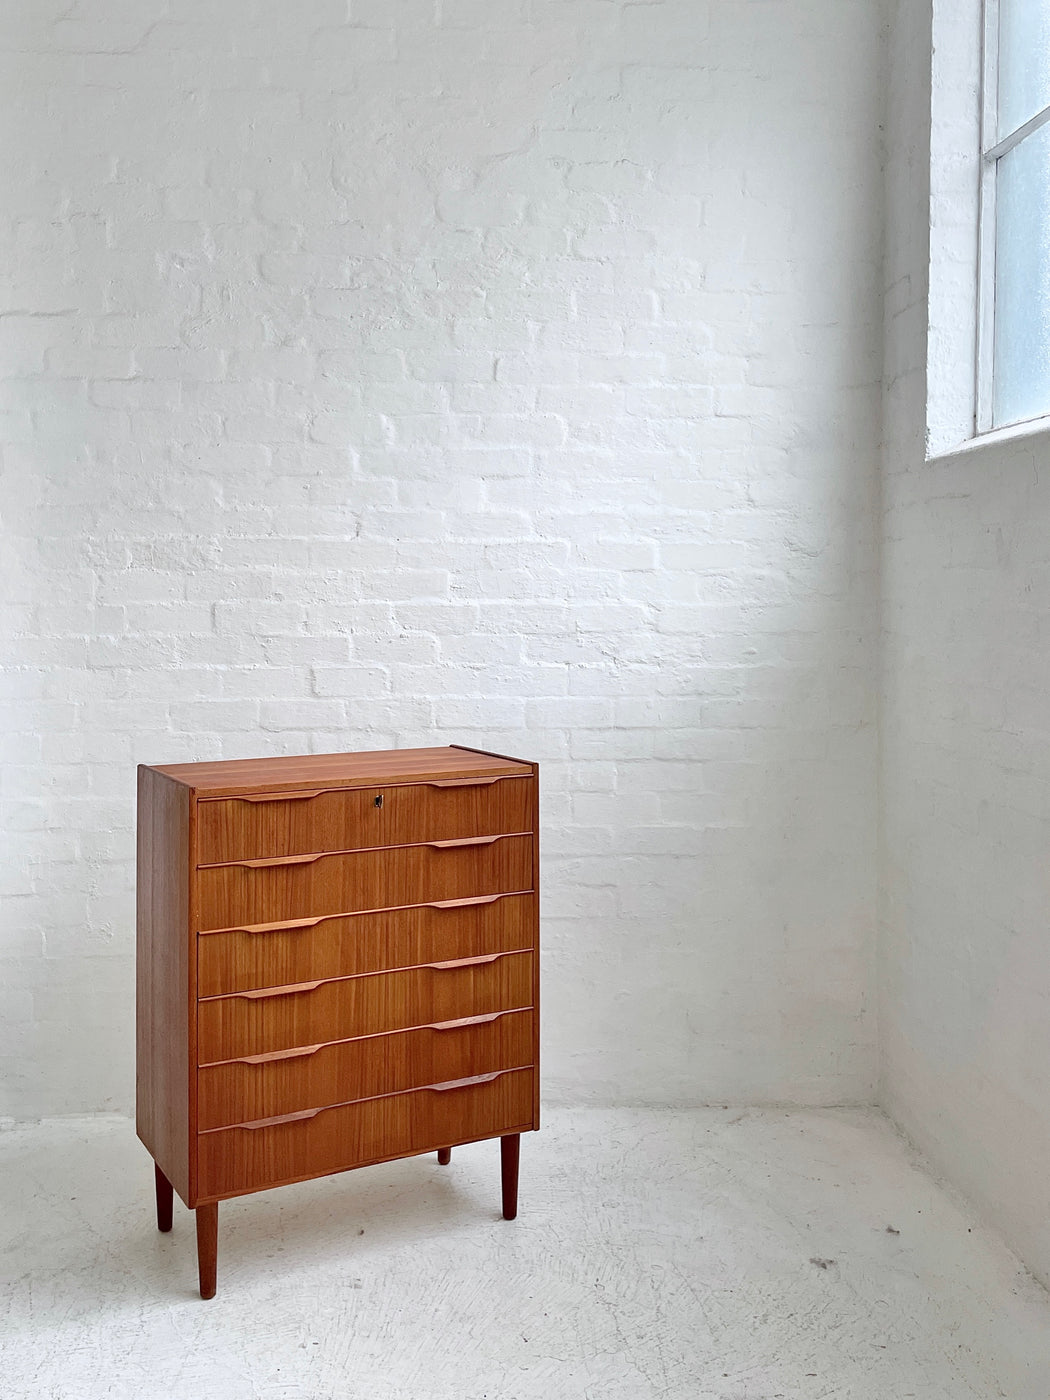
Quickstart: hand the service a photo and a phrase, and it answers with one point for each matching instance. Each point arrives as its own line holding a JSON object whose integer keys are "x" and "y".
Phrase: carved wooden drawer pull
{"x": 465, "y": 1083}
{"x": 464, "y": 841}
{"x": 268, "y": 928}
{"x": 286, "y": 991}
{"x": 279, "y": 860}
{"x": 466, "y": 1021}
{"x": 466, "y": 962}
{"x": 462, "y": 782}
{"x": 276, "y": 1122}
{"x": 463, "y": 903}
{"x": 272, "y": 1055}
{"x": 278, "y": 796}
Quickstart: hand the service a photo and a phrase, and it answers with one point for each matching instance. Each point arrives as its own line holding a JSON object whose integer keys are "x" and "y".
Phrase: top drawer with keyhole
{"x": 345, "y": 819}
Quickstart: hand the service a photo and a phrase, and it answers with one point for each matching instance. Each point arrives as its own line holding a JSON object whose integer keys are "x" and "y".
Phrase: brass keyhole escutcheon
{"x": 379, "y": 800}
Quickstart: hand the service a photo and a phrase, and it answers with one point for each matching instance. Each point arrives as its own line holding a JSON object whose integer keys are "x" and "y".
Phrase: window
{"x": 1013, "y": 360}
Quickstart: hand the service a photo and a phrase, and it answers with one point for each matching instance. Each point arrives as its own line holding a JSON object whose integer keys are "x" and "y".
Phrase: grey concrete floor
{"x": 704, "y": 1255}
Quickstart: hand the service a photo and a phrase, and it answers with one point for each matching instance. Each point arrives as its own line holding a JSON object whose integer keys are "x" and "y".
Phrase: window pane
{"x": 1021, "y": 374}
{"x": 1024, "y": 61}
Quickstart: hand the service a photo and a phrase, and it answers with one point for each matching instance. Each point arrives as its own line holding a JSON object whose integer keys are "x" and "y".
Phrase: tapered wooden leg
{"x": 207, "y": 1246}
{"x": 509, "y": 1148}
{"x": 444, "y": 1155}
{"x": 164, "y": 1194}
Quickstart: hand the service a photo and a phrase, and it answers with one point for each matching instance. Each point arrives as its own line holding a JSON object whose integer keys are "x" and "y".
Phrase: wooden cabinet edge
{"x": 166, "y": 979}
{"x": 506, "y": 757}
{"x": 535, "y": 767}
{"x": 536, "y": 1009}
{"x": 192, "y": 924}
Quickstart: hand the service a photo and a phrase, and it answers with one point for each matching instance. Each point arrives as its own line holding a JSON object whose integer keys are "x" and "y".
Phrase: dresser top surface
{"x": 340, "y": 770}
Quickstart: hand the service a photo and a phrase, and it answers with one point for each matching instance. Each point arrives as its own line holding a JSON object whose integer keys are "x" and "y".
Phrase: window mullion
{"x": 1016, "y": 136}
{"x": 983, "y": 400}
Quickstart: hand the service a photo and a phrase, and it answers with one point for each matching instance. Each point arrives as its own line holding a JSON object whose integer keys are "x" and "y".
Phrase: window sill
{"x": 1037, "y": 429}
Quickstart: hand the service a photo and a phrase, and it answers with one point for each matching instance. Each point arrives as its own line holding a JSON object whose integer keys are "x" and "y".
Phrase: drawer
{"x": 244, "y": 1090}
{"x": 296, "y": 887}
{"x": 289, "y": 824}
{"x": 306, "y": 950}
{"x": 232, "y": 1160}
{"x": 286, "y": 1018}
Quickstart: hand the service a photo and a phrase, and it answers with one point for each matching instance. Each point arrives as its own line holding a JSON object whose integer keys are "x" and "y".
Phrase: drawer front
{"x": 343, "y": 947}
{"x": 254, "y": 1024}
{"x": 242, "y": 828}
{"x": 234, "y": 895}
{"x": 233, "y": 1160}
{"x": 241, "y": 1091}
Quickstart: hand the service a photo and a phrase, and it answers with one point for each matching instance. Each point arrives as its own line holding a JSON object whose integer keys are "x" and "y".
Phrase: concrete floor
{"x": 712, "y": 1255}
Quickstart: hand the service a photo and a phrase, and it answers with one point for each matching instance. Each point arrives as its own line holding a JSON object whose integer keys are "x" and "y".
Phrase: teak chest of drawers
{"x": 337, "y": 965}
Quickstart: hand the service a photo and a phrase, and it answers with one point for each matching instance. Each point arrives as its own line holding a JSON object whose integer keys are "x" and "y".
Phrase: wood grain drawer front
{"x": 235, "y": 1160}
{"x": 245, "y": 1090}
{"x": 311, "y": 949}
{"x": 303, "y": 886}
{"x": 242, "y": 828}
{"x": 254, "y": 1023}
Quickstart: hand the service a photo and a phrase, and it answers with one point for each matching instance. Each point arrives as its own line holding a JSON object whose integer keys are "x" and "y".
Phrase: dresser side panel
{"x": 165, "y": 990}
{"x": 507, "y": 758}
{"x": 536, "y": 943}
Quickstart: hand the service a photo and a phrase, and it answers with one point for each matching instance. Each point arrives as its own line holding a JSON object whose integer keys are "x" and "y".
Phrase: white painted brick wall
{"x": 499, "y": 371}
{"x": 964, "y": 1004}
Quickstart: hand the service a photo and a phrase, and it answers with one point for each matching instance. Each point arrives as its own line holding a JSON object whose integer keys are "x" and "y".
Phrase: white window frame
{"x": 992, "y": 151}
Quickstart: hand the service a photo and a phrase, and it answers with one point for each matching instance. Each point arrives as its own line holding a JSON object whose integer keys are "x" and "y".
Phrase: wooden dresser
{"x": 337, "y": 965}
